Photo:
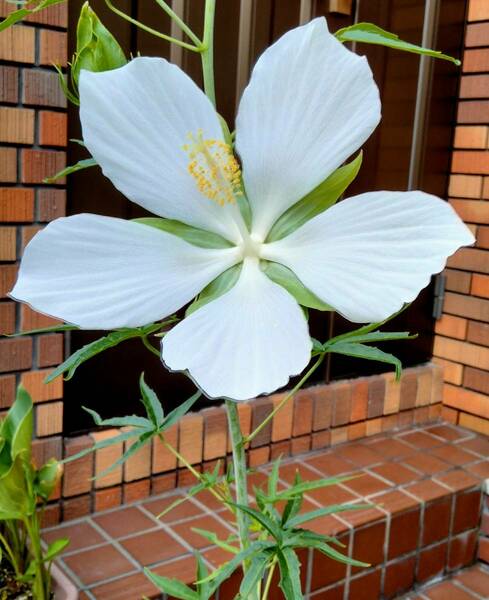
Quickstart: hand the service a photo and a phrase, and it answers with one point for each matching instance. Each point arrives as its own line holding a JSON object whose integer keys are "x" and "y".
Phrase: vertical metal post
{"x": 176, "y": 52}
{"x": 244, "y": 45}
{"x": 305, "y": 14}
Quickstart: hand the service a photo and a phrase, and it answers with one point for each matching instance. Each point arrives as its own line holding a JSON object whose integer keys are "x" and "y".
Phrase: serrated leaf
{"x": 290, "y": 574}
{"x": 179, "y": 411}
{"x": 203, "y": 589}
{"x": 273, "y": 477}
{"x": 53, "y": 329}
{"x": 327, "y": 510}
{"x": 317, "y": 201}
{"x": 285, "y": 277}
{"x": 306, "y": 486}
{"x": 143, "y": 439}
{"x": 172, "y": 587}
{"x": 216, "y": 288}
{"x": 117, "y": 439}
{"x": 129, "y": 421}
{"x": 114, "y": 338}
{"x": 84, "y": 163}
{"x": 252, "y": 576}
{"x": 192, "y": 235}
{"x": 367, "y": 353}
{"x": 368, "y": 33}
{"x": 151, "y": 403}
{"x": 213, "y": 539}
{"x": 334, "y": 554}
{"x": 267, "y": 523}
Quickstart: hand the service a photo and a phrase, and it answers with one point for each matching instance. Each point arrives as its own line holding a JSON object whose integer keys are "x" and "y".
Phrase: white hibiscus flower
{"x": 310, "y": 104}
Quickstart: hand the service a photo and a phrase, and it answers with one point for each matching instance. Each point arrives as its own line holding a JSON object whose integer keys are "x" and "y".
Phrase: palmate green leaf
{"x": 117, "y": 439}
{"x": 151, "y": 402}
{"x": 53, "y": 329}
{"x": 96, "y": 48}
{"x": 192, "y": 235}
{"x": 172, "y": 587}
{"x": 290, "y": 574}
{"x": 368, "y": 33}
{"x": 288, "y": 279}
{"x": 367, "y": 353}
{"x": 85, "y": 163}
{"x": 216, "y": 288}
{"x": 129, "y": 421}
{"x": 70, "y": 365}
{"x": 179, "y": 411}
{"x": 317, "y": 201}
{"x": 18, "y": 15}
{"x": 142, "y": 440}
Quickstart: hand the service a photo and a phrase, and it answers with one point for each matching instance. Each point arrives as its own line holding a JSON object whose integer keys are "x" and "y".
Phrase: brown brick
{"x": 323, "y": 407}
{"x": 17, "y": 44}
{"x": 8, "y": 165}
{"x": 480, "y": 285}
{"x": 7, "y": 318}
{"x": 470, "y": 161}
{"x": 392, "y": 399}
{"x": 77, "y": 474}
{"x": 8, "y": 243}
{"x": 51, "y": 204}
{"x": 471, "y": 136}
{"x": 478, "y": 333}
{"x": 49, "y": 418}
{"x": 27, "y": 233}
{"x": 258, "y": 456}
{"x": 476, "y": 379}
{"x": 215, "y": 433}
{"x": 7, "y": 390}
{"x": 56, "y": 15}
{"x": 376, "y": 397}
{"x": 465, "y": 186}
{"x": 357, "y": 431}
{"x": 75, "y": 508}
{"x": 474, "y": 423}
{"x": 43, "y": 450}
{"x": 282, "y": 421}
{"x": 109, "y": 498}
{"x": 139, "y": 465}
{"x": 474, "y": 86}
{"x": 15, "y": 354}
{"x": 457, "y": 281}
{"x": 163, "y": 483}
{"x": 16, "y": 125}
{"x": 260, "y": 409}
{"x": 105, "y": 458}
{"x": 29, "y": 319}
{"x": 163, "y": 459}
{"x": 452, "y": 372}
{"x": 342, "y": 403}
{"x": 190, "y": 443}
{"x": 450, "y": 415}
{"x": 9, "y": 84}
{"x": 41, "y": 88}
{"x": 476, "y": 34}
{"x": 473, "y": 111}
{"x": 466, "y": 306}
{"x": 476, "y": 60}
{"x": 33, "y": 381}
{"x": 244, "y": 415}
{"x": 8, "y": 275}
{"x": 303, "y": 412}
{"x": 137, "y": 490}
{"x": 409, "y": 390}
{"x": 466, "y": 400}
{"x": 53, "y": 128}
{"x": 425, "y": 385}
{"x": 49, "y": 349}
{"x": 53, "y": 47}
{"x": 451, "y": 326}
{"x": 483, "y": 237}
{"x": 359, "y": 400}
{"x": 478, "y": 10}
{"x": 16, "y": 205}
{"x": 462, "y": 352}
{"x": 39, "y": 164}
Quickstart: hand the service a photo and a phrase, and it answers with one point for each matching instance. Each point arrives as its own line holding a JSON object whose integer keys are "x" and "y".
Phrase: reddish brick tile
{"x": 41, "y": 88}
{"x": 184, "y": 510}
{"x": 391, "y": 448}
{"x": 359, "y": 454}
{"x": 98, "y": 564}
{"x": 323, "y": 407}
{"x": 395, "y": 473}
{"x": 359, "y": 400}
{"x": 368, "y": 544}
{"x": 125, "y": 521}
{"x": 425, "y": 463}
{"x": 320, "y": 439}
{"x": 395, "y": 501}
{"x": 462, "y": 550}
{"x": 9, "y": 84}
{"x": 403, "y": 534}
{"x": 475, "y": 579}
{"x": 342, "y": 403}
{"x": 330, "y": 464}
{"x": 163, "y": 483}
{"x": 303, "y": 413}
{"x": 332, "y": 593}
{"x": 366, "y": 484}
{"x": 450, "y": 434}
{"x": 376, "y": 396}
{"x": 399, "y": 577}
{"x": 480, "y": 469}
{"x": 420, "y": 440}
{"x": 137, "y": 490}
{"x": 51, "y": 204}
{"x": 366, "y": 586}
{"x": 77, "y": 474}
{"x": 458, "y": 479}
{"x": 432, "y": 562}
{"x": 326, "y": 571}
{"x": 453, "y": 455}
{"x": 153, "y": 547}
{"x": 436, "y": 521}
{"x": 81, "y": 535}
{"x": 260, "y": 410}
{"x": 125, "y": 588}
{"x": 467, "y": 511}
{"x": 446, "y": 590}
{"x": 282, "y": 421}
{"x": 206, "y": 522}
{"x": 300, "y": 445}
{"x": 478, "y": 445}
{"x": 327, "y": 525}
{"x": 427, "y": 490}
{"x": 74, "y": 508}
{"x": 332, "y": 494}
{"x": 108, "y": 498}
{"x": 409, "y": 390}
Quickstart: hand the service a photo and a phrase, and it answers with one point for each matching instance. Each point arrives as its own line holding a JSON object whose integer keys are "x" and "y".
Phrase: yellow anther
{"x": 214, "y": 168}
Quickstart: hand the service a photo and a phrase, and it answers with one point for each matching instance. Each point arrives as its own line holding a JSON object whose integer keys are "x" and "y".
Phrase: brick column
{"x": 32, "y": 147}
{"x": 462, "y": 340}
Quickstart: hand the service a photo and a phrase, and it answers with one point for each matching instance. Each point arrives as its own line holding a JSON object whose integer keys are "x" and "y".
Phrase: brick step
{"x": 428, "y": 484}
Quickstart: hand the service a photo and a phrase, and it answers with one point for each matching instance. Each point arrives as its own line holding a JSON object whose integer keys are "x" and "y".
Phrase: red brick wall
{"x": 462, "y": 340}
{"x": 32, "y": 146}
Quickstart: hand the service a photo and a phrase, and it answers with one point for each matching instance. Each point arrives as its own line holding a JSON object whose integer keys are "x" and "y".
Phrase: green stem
{"x": 150, "y": 30}
{"x": 207, "y": 52}
{"x": 10, "y": 554}
{"x": 269, "y": 579}
{"x": 239, "y": 462}
{"x": 183, "y": 26}
{"x": 150, "y": 346}
{"x": 282, "y": 403}
{"x": 40, "y": 579}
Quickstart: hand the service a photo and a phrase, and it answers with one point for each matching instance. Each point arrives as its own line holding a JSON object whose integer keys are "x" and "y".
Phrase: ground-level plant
{"x": 24, "y": 490}
{"x": 248, "y": 237}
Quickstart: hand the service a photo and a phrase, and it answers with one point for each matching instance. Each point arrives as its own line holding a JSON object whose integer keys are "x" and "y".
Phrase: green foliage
{"x": 18, "y": 15}
{"x": 192, "y": 235}
{"x": 143, "y": 429}
{"x": 22, "y": 487}
{"x": 85, "y": 163}
{"x": 368, "y": 33}
{"x": 114, "y": 338}
{"x": 216, "y": 288}
{"x": 53, "y": 329}
{"x": 317, "y": 201}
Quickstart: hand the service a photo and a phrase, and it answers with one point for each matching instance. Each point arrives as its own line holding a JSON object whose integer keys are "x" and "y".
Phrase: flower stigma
{"x": 214, "y": 168}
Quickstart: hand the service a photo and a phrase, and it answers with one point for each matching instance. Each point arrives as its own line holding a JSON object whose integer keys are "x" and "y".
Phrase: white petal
{"x": 369, "y": 254}
{"x": 309, "y": 105}
{"x": 135, "y": 121}
{"x": 245, "y": 343}
{"x": 104, "y": 273}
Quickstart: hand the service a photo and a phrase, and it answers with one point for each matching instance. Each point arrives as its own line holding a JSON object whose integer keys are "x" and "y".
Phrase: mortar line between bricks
{"x": 116, "y": 544}
{"x": 459, "y": 584}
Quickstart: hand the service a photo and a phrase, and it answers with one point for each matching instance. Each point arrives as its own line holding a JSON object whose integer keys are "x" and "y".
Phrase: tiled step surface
{"x": 427, "y": 482}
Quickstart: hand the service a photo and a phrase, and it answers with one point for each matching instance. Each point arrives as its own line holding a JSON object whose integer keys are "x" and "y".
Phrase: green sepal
{"x": 282, "y": 275}
{"x": 368, "y": 33}
{"x": 216, "y": 288}
{"x": 85, "y": 163}
{"x": 96, "y": 48}
{"x": 192, "y": 235}
{"x": 317, "y": 201}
